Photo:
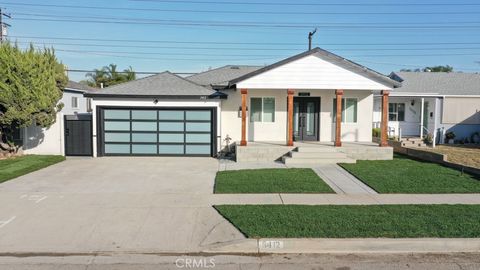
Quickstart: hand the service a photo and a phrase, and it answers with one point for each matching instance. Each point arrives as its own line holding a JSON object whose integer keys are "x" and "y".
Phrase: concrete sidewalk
{"x": 344, "y": 199}
{"x": 341, "y": 181}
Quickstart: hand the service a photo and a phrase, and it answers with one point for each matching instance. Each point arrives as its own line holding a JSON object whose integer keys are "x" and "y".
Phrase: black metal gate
{"x": 78, "y": 135}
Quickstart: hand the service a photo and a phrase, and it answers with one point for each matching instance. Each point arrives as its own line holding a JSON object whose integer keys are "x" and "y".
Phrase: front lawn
{"x": 18, "y": 166}
{"x": 270, "y": 181}
{"x": 405, "y": 175}
{"x": 354, "y": 221}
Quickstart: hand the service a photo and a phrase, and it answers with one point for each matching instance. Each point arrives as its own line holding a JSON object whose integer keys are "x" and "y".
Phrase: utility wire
{"x": 238, "y": 48}
{"x": 220, "y": 42}
{"x": 256, "y": 11}
{"x": 226, "y": 24}
{"x": 302, "y": 4}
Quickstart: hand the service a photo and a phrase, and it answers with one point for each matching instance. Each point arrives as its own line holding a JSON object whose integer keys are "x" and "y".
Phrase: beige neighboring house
{"x": 433, "y": 103}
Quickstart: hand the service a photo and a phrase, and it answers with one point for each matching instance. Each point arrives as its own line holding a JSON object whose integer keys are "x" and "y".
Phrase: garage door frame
{"x": 101, "y": 132}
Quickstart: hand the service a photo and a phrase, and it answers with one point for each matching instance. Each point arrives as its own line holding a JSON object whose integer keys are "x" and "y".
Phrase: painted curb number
{"x": 272, "y": 244}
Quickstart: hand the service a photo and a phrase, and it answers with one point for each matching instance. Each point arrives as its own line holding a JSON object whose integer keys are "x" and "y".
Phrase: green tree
{"x": 109, "y": 75}
{"x": 31, "y": 84}
{"x": 446, "y": 68}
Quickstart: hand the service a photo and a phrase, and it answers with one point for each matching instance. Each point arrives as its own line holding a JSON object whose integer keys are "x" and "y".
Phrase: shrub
{"x": 450, "y": 135}
{"x": 475, "y": 138}
{"x": 376, "y": 132}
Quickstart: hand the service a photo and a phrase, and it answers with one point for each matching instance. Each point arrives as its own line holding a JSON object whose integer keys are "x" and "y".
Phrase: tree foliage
{"x": 31, "y": 84}
{"x": 446, "y": 68}
{"x": 109, "y": 75}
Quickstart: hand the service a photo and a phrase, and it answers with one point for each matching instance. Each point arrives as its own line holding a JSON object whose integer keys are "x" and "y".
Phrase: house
{"x": 313, "y": 96}
{"x": 37, "y": 140}
{"x": 433, "y": 103}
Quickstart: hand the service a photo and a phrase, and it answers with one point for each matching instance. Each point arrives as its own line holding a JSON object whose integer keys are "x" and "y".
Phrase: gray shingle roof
{"x": 332, "y": 58}
{"x": 222, "y": 75}
{"x": 71, "y": 85}
{"x": 164, "y": 84}
{"x": 443, "y": 83}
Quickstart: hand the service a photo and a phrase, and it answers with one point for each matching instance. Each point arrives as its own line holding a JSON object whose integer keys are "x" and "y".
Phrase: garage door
{"x": 157, "y": 132}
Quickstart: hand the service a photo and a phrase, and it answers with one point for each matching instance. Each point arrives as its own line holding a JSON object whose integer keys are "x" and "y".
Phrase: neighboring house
{"x": 437, "y": 101}
{"x": 37, "y": 140}
{"x": 294, "y": 99}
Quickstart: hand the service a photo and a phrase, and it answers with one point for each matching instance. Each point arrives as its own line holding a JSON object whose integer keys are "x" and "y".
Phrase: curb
{"x": 356, "y": 245}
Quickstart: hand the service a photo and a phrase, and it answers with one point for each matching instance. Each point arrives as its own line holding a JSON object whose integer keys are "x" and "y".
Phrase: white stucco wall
{"x": 277, "y": 131}
{"x": 67, "y": 101}
{"x": 45, "y": 141}
{"x": 100, "y": 102}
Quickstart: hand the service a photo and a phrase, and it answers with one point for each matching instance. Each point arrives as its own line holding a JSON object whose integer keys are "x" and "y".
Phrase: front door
{"x": 305, "y": 118}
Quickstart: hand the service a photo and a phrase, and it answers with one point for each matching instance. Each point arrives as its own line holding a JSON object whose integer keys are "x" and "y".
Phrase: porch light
{"x": 413, "y": 102}
{"x": 240, "y": 111}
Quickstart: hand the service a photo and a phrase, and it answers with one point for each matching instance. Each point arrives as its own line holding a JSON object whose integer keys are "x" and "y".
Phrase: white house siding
{"x": 277, "y": 131}
{"x": 310, "y": 72}
{"x": 100, "y": 102}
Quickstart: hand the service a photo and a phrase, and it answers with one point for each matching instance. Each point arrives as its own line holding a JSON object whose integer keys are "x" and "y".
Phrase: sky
{"x": 185, "y": 36}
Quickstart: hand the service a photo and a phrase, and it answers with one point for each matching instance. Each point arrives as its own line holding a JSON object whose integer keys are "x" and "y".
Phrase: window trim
{"x": 396, "y": 111}
{"x": 76, "y": 102}
{"x": 262, "y": 110}
{"x": 344, "y": 104}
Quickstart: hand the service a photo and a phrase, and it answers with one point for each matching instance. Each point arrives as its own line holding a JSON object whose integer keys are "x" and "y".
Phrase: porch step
{"x": 413, "y": 142}
{"x": 295, "y": 161}
{"x": 316, "y": 149}
{"x": 317, "y": 155}
{"x": 312, "y": 155}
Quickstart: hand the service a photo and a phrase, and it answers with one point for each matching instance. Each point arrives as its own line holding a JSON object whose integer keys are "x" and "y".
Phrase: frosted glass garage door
{"x": 157, "y": 132}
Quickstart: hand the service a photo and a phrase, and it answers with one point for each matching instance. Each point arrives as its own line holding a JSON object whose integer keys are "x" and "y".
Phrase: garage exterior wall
{"x": 149, "y": 103}
{"x": 277, "y": 131}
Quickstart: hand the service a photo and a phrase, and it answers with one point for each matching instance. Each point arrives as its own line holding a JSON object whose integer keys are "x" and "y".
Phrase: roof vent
{"x": 234, "y": 67}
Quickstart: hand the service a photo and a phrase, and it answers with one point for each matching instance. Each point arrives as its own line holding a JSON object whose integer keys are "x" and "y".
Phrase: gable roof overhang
{"x": 378, "y": 80}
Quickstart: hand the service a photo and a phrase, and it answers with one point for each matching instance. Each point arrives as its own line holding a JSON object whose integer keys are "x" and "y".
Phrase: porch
{"x": 411, "y": 116}
{"x": 314, "y": 151}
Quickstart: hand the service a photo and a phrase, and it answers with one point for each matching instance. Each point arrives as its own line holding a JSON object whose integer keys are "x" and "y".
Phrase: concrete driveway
{"x": 86, "y": 205}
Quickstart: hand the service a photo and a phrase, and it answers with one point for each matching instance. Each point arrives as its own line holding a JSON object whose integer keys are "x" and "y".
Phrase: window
{"x": 262, "y": 109}
{"x": 75, "y": 102}
{"x": 349, "y": 110}
{"x": 396, "y": 112}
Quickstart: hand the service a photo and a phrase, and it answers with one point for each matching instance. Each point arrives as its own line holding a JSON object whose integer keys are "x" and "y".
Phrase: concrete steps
{"x": 413, "y": 142}
{"x": 316, "y": 155}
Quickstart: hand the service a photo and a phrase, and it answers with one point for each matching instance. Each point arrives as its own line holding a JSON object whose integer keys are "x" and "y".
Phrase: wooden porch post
{"x": 384, "y": 127}
{"x": 290, "y": 94}
{"x": 338, "y": 124}
{"x": 244, "y": 93}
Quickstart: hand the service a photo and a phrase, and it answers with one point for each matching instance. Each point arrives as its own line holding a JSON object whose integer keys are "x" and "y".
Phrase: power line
{"x": 260, "y": 12}
{"x": 136, "y": 72}
{"x": 322, "y": 24}
{"x": 220, "y": 42}
{"x": 239, "y": 49}
{"x": 226, "y": 24}
{"x": 107, "y": 53}
{"x": 302, "y": 4}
